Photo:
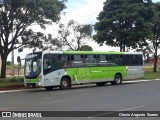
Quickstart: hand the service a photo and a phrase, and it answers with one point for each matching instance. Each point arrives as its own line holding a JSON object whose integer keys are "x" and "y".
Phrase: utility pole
{"x": 1, "y": 4}
{"x": 12, "y": 58}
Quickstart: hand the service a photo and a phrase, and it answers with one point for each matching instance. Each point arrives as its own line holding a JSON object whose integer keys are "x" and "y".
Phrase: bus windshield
{"x": 32, "y": 67}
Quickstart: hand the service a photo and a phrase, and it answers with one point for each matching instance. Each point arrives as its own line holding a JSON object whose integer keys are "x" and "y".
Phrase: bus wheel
{"x": 101, "y": 83}
{"x": 65, "y": 83}
{"x": 117, "y": 80}
{"x": 48, "y": 88}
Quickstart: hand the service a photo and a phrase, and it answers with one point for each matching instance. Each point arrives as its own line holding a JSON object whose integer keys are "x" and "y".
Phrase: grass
{"x": 151, "y": 75}
{"x": 7, "y": 82}
{"x": 148, "y": 68}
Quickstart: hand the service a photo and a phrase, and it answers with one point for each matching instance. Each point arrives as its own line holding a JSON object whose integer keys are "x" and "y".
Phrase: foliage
{"x": 151, "y": 44}
{"x": 12, "y": 80}
{"x": 8, "y": 63}
{"x": 86, "y": 48}
{"x": 123, "y": 23}
{"x": 17, "y": 15}
{"x": 74, "y": 35}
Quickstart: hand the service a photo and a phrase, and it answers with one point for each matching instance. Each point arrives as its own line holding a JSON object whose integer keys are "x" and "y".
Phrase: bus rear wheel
{"x": 48, "y": 88}
{"x": 117, "y": 80}
{"x": 65, "y": 83}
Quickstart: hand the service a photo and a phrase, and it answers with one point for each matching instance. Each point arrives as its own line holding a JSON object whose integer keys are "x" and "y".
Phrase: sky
{"x": 83, "y": 11}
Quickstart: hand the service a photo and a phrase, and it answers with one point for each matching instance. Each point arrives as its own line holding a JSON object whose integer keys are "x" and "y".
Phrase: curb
{"x": 20, "y": 90}
{"x": 134, "y": 81}
{"x": 9, "y": 91}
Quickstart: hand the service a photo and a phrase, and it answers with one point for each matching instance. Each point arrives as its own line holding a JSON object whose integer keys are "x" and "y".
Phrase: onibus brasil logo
{"x": 20, "y": 114}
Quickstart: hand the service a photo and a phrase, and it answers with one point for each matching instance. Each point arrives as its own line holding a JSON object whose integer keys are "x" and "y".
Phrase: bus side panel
{"x": 96, "y": 73}
{"x": 117, "y": 69}
{"x": 71, "y": 72}
{"x": 85, "y": 74}
{"x": 54, "y": 78}
{"x": 105, "y": 74}
{"x": 135, "y": 72}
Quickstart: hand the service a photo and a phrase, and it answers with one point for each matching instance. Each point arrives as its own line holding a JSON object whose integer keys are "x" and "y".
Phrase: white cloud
{"x": 156, "y": 1}
{"x": 86, "y": 13}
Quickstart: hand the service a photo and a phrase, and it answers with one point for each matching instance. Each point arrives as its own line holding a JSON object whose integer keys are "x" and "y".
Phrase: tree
{"x": 86, "y": 48}
{"x": 155, "y": 41}
{"x": 74, "y": 35}
{"x": 16, "y": 16}
{"x": 122, "y": 23}
{"x": 39, "y": 40}
{"x": 151, "y": 44}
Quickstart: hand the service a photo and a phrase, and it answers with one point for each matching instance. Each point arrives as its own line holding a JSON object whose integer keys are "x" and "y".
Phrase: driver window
{"x": 35, "y": 66}
{"x": 48, "y": 63}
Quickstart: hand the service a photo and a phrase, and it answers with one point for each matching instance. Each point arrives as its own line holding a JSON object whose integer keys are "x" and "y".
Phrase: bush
{"x": 12, "y": 80}
{"x": 8, "y": 63}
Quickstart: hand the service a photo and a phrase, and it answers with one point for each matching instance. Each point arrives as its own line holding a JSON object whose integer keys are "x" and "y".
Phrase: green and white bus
{"x": 63, "y": 69}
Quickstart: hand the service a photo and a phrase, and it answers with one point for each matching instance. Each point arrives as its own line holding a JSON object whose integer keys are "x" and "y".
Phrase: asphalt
{"x": 130, "y": 96}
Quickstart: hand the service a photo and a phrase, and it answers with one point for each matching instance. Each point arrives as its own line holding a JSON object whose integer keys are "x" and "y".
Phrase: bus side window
{"x": 77, "y": 61}
{"x": 103, "y": 60}
{"x": 140, "y": 60}
{"x": 48, "y": 64}
{"x": 114, "y": 60}
{"x": 120, "y": 59}
{"x": 127, "y": 60}
{"x": 64, "y": 61}
{"x": 134, "y": 61}
{"x": 68, "y": 61}
{"x": 90, "y": 60}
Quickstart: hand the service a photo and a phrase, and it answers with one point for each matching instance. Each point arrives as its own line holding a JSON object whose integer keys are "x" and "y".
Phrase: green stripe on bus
{"x": 32, "y": 80}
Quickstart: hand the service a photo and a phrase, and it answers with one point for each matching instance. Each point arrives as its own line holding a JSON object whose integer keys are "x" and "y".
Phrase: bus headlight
{"x": 39, "y": 84}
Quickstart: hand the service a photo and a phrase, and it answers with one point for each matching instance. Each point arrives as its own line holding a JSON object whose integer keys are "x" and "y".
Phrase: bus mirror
{"x": 19, "y": 60}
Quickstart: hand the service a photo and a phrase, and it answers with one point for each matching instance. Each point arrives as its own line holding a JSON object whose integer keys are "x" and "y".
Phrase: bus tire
{"x": 65, "y": 83}
{"x": 117, "y": 80}
{"x": 101, "y": 83}
{"x": 48, "y": 88}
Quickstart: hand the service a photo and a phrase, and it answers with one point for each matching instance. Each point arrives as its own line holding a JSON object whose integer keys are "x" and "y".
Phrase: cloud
{"x": 84, "y": 13}
{"x": 156, "y": 1}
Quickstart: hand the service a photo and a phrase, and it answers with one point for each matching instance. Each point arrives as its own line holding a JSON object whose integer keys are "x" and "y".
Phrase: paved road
{"x": 141, "y": 96}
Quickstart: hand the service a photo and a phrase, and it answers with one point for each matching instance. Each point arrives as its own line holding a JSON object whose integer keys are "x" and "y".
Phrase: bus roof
{"x": 96, "y": 52}
{"x": 83, "y": 52}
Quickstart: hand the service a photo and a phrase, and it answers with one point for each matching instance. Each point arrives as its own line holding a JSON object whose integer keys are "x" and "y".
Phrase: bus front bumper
{"x": 33, "y": 84}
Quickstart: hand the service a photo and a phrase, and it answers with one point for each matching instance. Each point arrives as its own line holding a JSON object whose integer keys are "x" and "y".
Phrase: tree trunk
{"x": 121, "y": 46}
{"x": 155, "y": 62}
{"x": 124, "y": 48}
{"x": 3, "y": 69}
{"x": 124, "y": 45}
{"x": 155, "y": 57}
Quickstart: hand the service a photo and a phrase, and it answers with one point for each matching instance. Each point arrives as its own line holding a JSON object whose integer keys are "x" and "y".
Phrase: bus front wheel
{"x": 65, "y": 83}
{"x": 117, "y": 80}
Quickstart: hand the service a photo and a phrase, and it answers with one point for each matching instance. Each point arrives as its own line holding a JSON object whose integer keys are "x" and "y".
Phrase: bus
{"x": 63, "y": 69}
